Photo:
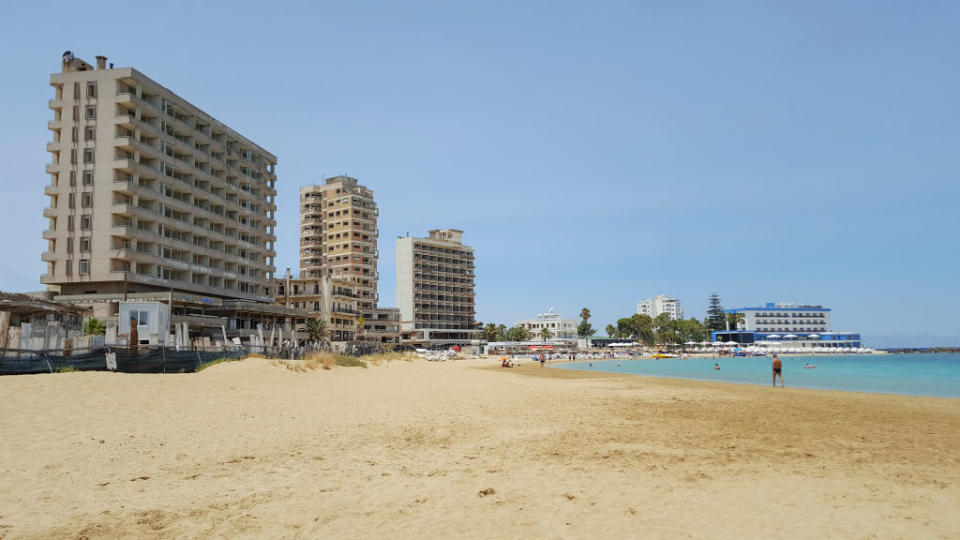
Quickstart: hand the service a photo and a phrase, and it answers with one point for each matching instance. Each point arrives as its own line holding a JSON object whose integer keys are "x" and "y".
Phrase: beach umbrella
{"x": 813, "y": 335}
{"x": 789, "y": 336}
{"x": 773, "y": 336}
{"x": 690, "y": 343}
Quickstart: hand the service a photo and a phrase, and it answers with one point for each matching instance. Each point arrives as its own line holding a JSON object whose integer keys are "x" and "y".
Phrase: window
{"x": 76, "y": 90}
{"x": 69, "y": 223}
{"x": 76, "y": 112}
{"x": 84, "y": 243}
{"x": 73, "y": 156}
{"x": 73, "y": 178}
{"x": 74, "y": 134}
{"x": 91, "y": 113}
{"x": 88, "y": 155}
{"x": 69, "y": 245}
{"x": 87, "y": 178}
{"x": 89, "y": 133}
{"x": 68, "y": 267}
{"x": 85, "y": 222}
{"x": 91, "y": 89}
{"x": 142, "y": 317}
{"x": 86, "y": 199}
{"x": 84, "y": 267}
{"x": 72, "y": 201}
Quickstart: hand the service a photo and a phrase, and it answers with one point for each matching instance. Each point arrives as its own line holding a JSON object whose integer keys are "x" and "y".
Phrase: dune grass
{"x": 326, "y": 360}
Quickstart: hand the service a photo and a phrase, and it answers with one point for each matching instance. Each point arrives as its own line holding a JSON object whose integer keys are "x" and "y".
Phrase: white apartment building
{"x": 559, "y": 327}
{"x": 660, "y": 304}
{"x": 435, "y": 288}
{"x": 783, "y": 318}
{"x": 148, "y": 193}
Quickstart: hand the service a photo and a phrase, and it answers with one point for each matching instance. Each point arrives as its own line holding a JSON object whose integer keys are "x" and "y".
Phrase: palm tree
{"x": 647, "y": 336}
{"x": 360, "y": 322}
{"x": 546, "y": 334}
{"x": 93, "y": 327}
{"x": 317, "y": 331}
{"x": 611, "y": 330}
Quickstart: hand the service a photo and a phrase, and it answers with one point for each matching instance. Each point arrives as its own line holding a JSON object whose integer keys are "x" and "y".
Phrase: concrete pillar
{"x": 4, "y": 329}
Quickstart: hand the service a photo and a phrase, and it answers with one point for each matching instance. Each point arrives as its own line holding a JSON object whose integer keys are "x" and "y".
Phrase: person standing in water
{"x": 777, "y": 370}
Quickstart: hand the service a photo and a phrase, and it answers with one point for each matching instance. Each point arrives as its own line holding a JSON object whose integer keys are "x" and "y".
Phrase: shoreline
{"x": 559, "y": 363}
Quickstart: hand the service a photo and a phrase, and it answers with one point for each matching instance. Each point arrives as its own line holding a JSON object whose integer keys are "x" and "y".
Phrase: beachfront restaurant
{"x": 801, "y": 340}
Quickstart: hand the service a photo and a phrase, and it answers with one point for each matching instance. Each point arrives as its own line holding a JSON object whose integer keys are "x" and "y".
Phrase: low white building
{"x": 660, "y": 304}
{"x": 560, "y": 328}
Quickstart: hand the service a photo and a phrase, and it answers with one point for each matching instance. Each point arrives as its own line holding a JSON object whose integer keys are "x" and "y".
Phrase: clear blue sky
{"x": 593, "y": 153}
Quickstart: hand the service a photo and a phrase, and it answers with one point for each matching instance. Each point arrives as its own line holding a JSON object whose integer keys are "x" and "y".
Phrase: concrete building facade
{"x": 559, "y": 327}
{"x": 330, "y": 299}
{"x": 653, "y": 307}
{"x": 435, "y": 288}
{"x": 783, "y": 318}
{"x": 338, "y": 236}
{"x": 148, "y": 193}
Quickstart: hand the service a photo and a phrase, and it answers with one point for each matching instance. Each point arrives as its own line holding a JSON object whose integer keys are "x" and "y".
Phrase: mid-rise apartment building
{"x": 435, "y": 288}
{"x": 335, "y": 301}
{"x": 653, "y": 307}
{"x": 560, "y": 328}
{"x": 148, "y": 193}
{"x": 338, "y": 236}
{"x": 783, "y": 318}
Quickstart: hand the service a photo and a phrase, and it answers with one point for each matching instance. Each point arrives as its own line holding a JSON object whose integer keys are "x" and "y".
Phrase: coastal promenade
{"x": 465, "y": 449}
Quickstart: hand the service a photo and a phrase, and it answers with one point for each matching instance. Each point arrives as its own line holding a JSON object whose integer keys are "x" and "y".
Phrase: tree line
{"x": 650, "y": 331}
{"x": 500, "y": 332}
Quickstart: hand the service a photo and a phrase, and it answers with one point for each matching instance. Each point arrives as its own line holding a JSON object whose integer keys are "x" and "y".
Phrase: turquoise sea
{"x": 909, "y": 374}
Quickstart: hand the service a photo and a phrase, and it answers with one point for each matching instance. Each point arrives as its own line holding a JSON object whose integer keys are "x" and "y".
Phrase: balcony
{"x": 55, "y": 125}
{"x": 46, "y": 256}
{"x": 52, "y": 168}
{"x": 55, "y": 104}
{"x": 49, "y": 235}
{"x": 50, "y": 212}
{"x": 51, "y": 190}
{"x": 53, "y": 146}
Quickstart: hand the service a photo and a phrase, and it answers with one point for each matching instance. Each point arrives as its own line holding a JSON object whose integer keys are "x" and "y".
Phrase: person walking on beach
{"x": 542, "y": 359}
{"x": 777, "y": 370}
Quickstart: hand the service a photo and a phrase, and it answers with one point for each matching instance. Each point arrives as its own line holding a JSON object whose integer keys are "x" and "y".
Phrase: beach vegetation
{"x": 221, "y": 361}
{"x": 659, "y": 331}
{"x": 66, "y": 369}
{"x": 318, "y": 332}
{"x": 545, "y": 333}
{"x": 584, "y": 329}
{"x": 716, "y": 318}
{"x": 93, "y": 327}
{"x": 518, "y": 333}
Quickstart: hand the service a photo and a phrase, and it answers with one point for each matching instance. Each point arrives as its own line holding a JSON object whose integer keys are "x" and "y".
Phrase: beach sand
{"x": 464, "y": 449}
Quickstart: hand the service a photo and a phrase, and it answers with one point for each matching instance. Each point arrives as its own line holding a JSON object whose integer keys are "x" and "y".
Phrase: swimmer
{"x": 716, "y": 367}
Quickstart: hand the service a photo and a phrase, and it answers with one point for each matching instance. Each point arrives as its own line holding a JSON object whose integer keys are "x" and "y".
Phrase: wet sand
{"x": 465, "y": 449}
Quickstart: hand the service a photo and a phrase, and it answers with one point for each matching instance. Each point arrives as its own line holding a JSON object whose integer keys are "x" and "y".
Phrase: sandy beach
{"x": 467, "y": 449}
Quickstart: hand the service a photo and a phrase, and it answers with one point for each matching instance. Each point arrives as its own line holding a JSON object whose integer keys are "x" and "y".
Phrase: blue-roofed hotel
{"x": 799, "y": 325}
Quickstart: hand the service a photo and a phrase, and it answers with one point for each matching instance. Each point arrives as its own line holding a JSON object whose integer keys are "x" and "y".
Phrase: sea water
{"x": 929, "y": 374}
